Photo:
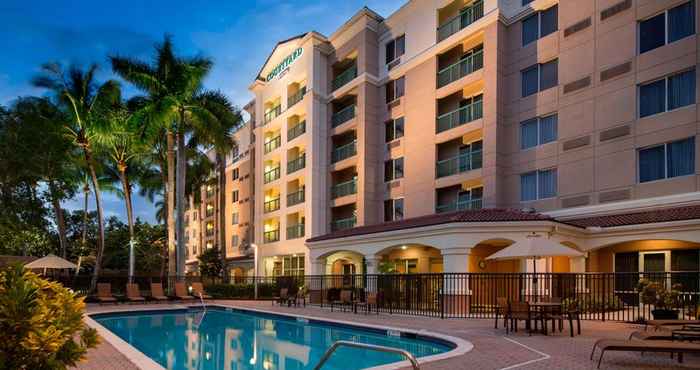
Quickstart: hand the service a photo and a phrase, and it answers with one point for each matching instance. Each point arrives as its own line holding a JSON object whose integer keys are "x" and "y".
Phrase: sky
{"x": 237, "y": 35}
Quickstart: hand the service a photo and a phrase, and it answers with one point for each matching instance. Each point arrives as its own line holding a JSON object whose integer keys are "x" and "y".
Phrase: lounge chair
{"x": 644, "y": 346}
{"x": 133, "y": 294}
{"x": 651, "y": 335}
{"x": 282, "y": 298}
{"x": 181, "y": 292}
{"x": 345, "y": 300}
{"x": 300, "y": 296}
{"x": 370, "y": 301}
{"x": 198, "y": 291}
{"x": 661, "y": 323}
{"x": 104, "y": 293}
{"x": 157, "y": 292}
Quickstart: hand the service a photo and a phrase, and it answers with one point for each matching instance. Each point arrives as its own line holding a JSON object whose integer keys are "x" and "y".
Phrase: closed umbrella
{"x": 51, "y": 262}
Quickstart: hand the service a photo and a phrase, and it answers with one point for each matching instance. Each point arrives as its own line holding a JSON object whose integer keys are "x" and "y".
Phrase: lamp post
{"x": 255, "y": 268}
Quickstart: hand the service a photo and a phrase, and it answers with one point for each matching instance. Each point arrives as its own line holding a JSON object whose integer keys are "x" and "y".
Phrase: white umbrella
{"x": 51, "y": 262}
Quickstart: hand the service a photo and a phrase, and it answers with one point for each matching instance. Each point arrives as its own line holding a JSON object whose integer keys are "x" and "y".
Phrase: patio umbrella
{"x": 51, "y": 262}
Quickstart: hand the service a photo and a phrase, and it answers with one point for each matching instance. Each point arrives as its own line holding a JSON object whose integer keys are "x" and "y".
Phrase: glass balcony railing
{"x": 461, "y": 163}
{"x": 273, "y": 113}
{"x": 272, "y": 175}
{"x": 343, "y": 115}
{"x": 296, "y": 97}
{"x": 273, "y": 143}
{"x": 345, "y": 77}
{"x": 459, "y": 206}
{"x": 296, "y": 197}
{"x": 344, "y": 188}
{"x": 295, "y": 231}
{"x": 460, "y": 116}
{"x": 296, "y": 130}
{"x": 272, "y": 205}
{"x": 460, "y": 69}
{"x": 344, "y": 151}
{"x": 297, "y": 163}
{"x": 466, "y": 17}
{"x": 271, "y": 236}
{"x": 343, "y": 223}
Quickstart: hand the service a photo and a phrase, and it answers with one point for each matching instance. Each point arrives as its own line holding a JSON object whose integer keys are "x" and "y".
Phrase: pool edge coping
{"x": 141, "y": 360}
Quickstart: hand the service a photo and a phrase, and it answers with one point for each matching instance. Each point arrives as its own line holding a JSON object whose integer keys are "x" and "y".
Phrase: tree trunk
{"x": 180, "y": 189}
{"x": 100, "y": 220}
{"x": 221, "y": 164}
{"x": 165, "y": 250}
{"x": 86, "y": 191}
{"x": 60, "y": 221}
{"x": 126, "y": 188}
{"x": 170, "y": 207}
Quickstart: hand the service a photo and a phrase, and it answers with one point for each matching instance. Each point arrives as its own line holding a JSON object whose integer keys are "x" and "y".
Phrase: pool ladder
{"x": 345, "y": 343}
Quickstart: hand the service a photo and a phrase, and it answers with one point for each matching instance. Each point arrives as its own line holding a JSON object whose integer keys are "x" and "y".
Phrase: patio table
{"x": 543, "y": 308}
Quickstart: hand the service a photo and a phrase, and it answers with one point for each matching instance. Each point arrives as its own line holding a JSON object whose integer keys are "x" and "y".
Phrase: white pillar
{"x": 578, "y": 265}
{"x": 372, "y": 263}
{"x": 455, "y": 259}
{"x": 456, "y": 290}
{"x": 318, "y": 266}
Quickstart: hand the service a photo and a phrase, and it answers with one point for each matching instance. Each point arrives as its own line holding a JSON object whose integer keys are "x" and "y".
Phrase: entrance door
{"x": 654, "y": 265}
{"x": 348, "y": 272}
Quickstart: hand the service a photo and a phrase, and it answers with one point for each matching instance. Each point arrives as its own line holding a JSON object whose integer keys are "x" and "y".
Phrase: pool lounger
{"x": 623, "y": 345}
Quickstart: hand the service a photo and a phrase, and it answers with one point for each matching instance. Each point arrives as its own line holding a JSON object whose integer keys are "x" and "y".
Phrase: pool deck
{"x": 492, "y": 348}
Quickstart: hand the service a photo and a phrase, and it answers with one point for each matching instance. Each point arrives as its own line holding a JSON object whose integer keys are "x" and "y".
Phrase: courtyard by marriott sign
{"x": 284, "y": 65}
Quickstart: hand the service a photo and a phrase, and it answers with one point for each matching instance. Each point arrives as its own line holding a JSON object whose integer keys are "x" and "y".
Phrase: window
{"x": 394, "y": 129}
{"x": 234, "y": 218}
{"x": 395, "y": 48}
{"x": 667, "y": 27}
{"x": 525, "y": 2}
{"x": 393, "y": 209}
{"x": 667, "y": 160}
{"x": 538, "y": 131}
{"x": 234, "y": 196}
{"x": 539, "y": 77}
{"x": 539, "y": 24}
{"x": 540, "y": 184}
{"x": 393, "y": 169}
{"x": 293, "y": 265}
{"x": 394, "y": 89}
{"x": 234, "y": 174}
{"x": 666, "y": 94}
{"x": 234, "y": 241}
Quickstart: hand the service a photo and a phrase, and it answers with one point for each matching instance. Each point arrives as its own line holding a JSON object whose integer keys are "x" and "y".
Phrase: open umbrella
{"x": 51, "y": 262}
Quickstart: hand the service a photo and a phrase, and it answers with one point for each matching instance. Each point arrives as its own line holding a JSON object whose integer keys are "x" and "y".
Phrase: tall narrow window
{"x": 395, "y": 48}
{"x": 394, "y": 129}
{"x": 672, "y": 25}
{"x": 668, "y": 93}
{"x": 393, "y": 209}
{"x": 393, "y": 169}
{"x": 394, "y": 89}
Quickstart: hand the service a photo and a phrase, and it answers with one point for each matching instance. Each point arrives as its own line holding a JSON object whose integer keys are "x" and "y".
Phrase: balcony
{"x": 295, "y": 231}
{"x": 296, "y": 164}
{"x": 296, "y": 97}
{"x": 461, "y": 163}
{"x": 343, "y": 115}
{"x": 271, "y": 236}
{"x": 345, "y": 77}
{"x": 459, "y": 206}
{"x": 466, "y": 17}
{"x": 344, "y": 188}
{"x": 461, "y": 116}
{"x": 296, "y": 197}
{"x": 271, "y": 205}
{"x": 273, "y": 143}
{"x": 273, "y": 113}
{"x": 272, "y": 175}
{"x": 454, "y": 72}
{"x": 344, "y": 151}
{"x": 296, "y": 130}
{"x": 343, "y": 223}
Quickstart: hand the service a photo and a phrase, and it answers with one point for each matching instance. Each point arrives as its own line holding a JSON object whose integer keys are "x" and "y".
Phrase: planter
{"x": 665, "y": 314}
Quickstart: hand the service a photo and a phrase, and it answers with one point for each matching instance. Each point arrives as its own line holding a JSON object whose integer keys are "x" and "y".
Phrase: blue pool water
{"x": 237, "y": 339}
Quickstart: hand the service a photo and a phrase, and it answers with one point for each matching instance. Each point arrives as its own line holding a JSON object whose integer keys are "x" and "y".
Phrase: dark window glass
{"x": 525, "y": 2}
{"x": 548, "y": 75}
{"x": 627, "y": 262}
{"x": 528, "y": 134}
{"x": 549, "y": 21}
{"x": 398, "y": 168}
{"x": 400, "y": 46}
{"x": 681, "y": 21}
{"x": 398, "y": 128}
{"x": 388, "y": 170}
{"x": 398, "y": 209}
{"x": 680, "y": 158}
{"x": 528, "y": 186}
{"x": 529, "y": 81}
{"x": 652, "y": 163}
{"x": 681, "y": 89}
{"x": 652, "y": 33}
{"x": 400, "y": 88}
{"x": 388, "y": 210}
{"x": 652, "y": 97}
{"x": 390, "y": 91}
{"x": 685, "y": 260}
{"x": 390, "y": 48}
{"x": 389, "y": 131}
{"x": 530, "y": 30}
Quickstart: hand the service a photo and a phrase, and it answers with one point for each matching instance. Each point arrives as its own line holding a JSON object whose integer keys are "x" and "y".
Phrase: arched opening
{"x": 410, "y": 259}
{"x": 478, "y": 255}
{"x": 651, "y": 255}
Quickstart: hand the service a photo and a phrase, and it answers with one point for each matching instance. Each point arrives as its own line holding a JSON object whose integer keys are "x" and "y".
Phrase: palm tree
{"x": 79, "y": 94}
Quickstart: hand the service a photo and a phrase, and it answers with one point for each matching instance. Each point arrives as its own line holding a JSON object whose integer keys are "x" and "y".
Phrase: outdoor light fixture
{"x": 403, "y": 247}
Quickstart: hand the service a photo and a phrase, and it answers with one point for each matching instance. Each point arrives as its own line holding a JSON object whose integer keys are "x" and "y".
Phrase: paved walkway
{"x": 492, "y": 348}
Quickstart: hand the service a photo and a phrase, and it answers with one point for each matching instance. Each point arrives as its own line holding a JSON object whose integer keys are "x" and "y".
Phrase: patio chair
{"x": 558, "y": 316}
{"x": 198, "y": 290}
{"x": 181, "y": 292}
{"x": 282, "y": 298}
{"x": 104, "y": 293}
{"x": 133, "y": 294}
{"x": 345, "y": 300}
{"x": 157, "y": 292}
{"x": 503, "y": 309}
{"x": 623, "y": 345}
{"x": 370, "y": 301}
{"x": 522, "y": 311}
{"x": 300, "y": 296}
{"x": 573, "y": 313}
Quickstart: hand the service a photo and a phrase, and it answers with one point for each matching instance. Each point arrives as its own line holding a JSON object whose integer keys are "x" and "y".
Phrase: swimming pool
{"x": 226, "y": 338}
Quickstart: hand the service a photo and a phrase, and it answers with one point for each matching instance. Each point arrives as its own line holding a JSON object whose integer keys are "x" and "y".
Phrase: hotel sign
{"x": 284, "y": 65}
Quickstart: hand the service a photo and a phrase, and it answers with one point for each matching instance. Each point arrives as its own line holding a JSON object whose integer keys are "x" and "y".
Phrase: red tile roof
{"x": 482, "y": 215}
{"x": 638, "y": 218}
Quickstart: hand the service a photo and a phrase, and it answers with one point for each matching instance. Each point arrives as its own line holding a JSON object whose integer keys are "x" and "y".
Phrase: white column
{"x": 372, "y": 263}
{"x": 578, "y": 265}
{"x": 318, "y": 266}
{"x": 456, "y": 290}
{"x": 455, "y": 259}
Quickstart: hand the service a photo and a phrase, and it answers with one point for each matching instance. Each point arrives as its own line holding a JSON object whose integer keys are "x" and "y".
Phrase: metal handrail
{"x": 373, "y": 347}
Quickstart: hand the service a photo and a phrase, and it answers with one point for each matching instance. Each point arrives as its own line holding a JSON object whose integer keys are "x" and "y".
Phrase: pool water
{"x": 236, "y": 339}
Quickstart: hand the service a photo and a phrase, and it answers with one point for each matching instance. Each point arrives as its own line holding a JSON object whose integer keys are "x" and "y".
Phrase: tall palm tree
{"x": 82, "y": 97}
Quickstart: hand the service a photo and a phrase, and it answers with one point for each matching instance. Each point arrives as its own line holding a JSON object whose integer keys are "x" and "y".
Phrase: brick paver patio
{"x": 492, "y": 348}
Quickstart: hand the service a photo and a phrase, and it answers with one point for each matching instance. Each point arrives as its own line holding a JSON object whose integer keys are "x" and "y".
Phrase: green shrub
{"x": 596, "y": 304}
{"x": 41, "y": 323}
{"x": 241, "y": 291}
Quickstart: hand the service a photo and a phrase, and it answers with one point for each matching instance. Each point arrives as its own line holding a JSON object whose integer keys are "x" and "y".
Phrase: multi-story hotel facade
{"x": 428, "y": 140}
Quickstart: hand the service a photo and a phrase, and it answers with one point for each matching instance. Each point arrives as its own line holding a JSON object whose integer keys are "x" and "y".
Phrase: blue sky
{"x": 238, "y": 35}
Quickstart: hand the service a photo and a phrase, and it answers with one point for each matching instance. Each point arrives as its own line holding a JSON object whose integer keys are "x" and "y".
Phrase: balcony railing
{"x": 296, "y": 131}
{"x": 273, "y": 143}
{"x": 295, "y": 231}
{"x": 344, "y": 151}
{"x": 272, "y": 205}
{"x": 271, "y": 236}
{"x": 272, "y": 175}
{"x": 461, "y": 163}
{"x": 345, "y": 77}
{"x": 344, "y": 188}
{"x": 296, "y": 197}
{"x": 296, "y": 97}
{"x": 460, "y": 69}
{"x": 460, "y": 116}
{"x": 343, "y": 115}
{"x": 297, "y": 163}
{"x": 459, "y": 206}
{"x": 344, "y": 223}
{"x": 466, "y": 17}
{"x": 273, "y": 113}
